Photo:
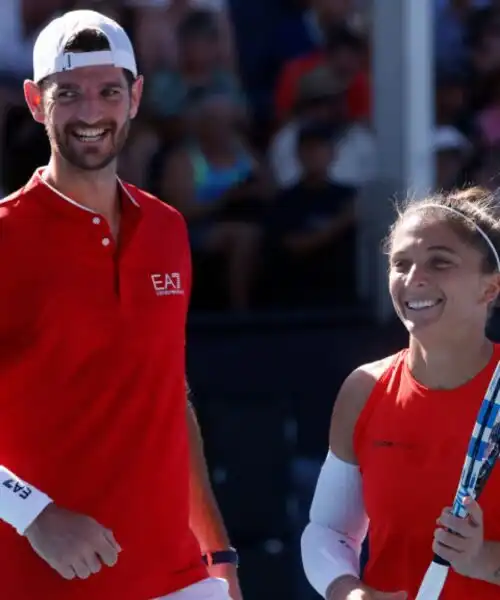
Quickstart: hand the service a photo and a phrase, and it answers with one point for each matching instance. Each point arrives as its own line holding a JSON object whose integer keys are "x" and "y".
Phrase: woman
{"x": 156, "y": 23}
{"x": 198, "y": 67}
{"x": 400, "y": 426}
{"x": 216, "y": 183}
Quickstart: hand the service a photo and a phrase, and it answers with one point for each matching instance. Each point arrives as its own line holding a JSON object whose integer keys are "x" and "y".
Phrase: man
{"x": 101, "y": 463}
{"x": 344, "y": 54}
{"x": 322, "y": 96}
{"x": 312, "y": 225}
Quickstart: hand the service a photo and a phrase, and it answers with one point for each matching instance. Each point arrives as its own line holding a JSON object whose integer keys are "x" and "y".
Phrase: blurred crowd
{"x": 256, "y": 125}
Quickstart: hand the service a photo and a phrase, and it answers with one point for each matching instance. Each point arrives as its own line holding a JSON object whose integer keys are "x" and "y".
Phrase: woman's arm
{"x": 331, "y": 542}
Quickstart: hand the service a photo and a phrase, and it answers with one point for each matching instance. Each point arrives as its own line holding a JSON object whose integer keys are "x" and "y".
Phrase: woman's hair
{"x": 472, "y": 214}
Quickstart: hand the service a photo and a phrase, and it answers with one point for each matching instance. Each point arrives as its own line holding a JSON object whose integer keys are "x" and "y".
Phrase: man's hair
{"x": 89, "y": 40}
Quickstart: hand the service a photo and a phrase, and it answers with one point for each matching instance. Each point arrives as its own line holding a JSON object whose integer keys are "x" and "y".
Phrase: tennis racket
{"x": 483, "y": 450}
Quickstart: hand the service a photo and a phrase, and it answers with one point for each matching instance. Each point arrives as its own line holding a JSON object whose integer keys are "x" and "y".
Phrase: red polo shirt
{"x": 92, "y": 386}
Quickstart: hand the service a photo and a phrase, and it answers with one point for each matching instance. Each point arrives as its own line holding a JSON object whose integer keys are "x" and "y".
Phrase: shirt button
{"x": 106, "y": 241}
{"x": 96, "y": 220}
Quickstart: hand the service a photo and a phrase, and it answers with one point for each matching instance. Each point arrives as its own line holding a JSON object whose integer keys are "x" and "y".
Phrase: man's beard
{"x": 64, "y": 143}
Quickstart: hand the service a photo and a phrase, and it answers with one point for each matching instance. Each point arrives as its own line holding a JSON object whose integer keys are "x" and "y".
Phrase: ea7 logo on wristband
{"x": 22, "y": 491}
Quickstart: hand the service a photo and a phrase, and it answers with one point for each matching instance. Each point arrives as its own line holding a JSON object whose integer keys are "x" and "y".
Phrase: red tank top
{"x": 410, "y": 442}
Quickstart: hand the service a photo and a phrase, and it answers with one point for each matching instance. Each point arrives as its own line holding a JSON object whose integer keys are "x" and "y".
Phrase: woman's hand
{"x": 460, "y": 541}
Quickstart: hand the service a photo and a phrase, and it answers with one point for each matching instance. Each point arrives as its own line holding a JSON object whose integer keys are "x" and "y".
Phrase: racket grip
{"x": 440, "y": 561}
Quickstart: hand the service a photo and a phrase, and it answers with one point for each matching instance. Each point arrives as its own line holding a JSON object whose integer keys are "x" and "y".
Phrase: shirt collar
{"x": 37, "y": 181}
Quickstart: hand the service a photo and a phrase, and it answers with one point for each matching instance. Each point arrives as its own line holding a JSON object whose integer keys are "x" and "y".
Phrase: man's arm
{"x": 205, "y": 518}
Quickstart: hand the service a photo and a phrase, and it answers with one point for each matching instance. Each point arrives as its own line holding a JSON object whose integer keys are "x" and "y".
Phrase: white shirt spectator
{"x": 354, "y": 163}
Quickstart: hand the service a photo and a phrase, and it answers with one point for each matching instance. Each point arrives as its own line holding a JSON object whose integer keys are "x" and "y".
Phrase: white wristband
{"x": 20, "y": 502}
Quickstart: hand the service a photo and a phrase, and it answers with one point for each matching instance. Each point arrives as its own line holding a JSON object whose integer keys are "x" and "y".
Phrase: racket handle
{"x": 440, "y": 561}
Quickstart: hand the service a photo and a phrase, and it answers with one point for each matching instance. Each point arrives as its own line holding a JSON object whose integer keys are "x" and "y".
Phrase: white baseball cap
{"x": 49, "y": 56}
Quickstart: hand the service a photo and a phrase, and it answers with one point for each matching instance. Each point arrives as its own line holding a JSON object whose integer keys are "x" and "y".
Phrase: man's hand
{"x": 230, "y": 574}
{"x": 74, "y": 545}
{"x": 350, "y": 588}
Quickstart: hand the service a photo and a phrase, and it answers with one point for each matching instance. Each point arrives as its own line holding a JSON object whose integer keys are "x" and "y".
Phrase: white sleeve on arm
{"x": 20, "y": 502}
{"x": 331, "y": 542}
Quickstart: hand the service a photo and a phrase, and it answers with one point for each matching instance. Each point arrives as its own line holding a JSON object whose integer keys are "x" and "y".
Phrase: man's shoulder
{"x": 20, "y": 226}
{"x": 10, "y": 203}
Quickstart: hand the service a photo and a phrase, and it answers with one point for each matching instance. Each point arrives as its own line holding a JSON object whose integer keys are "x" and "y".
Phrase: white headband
{"x": 481, "y": 231}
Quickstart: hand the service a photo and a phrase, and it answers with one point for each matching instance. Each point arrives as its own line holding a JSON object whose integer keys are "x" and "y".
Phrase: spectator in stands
{"x": 486, "y": 172}
{"x": 199, "y": 68}
{"x": 486, "y": 49}
{"x": 452, "y": 99}
{"x": 305, "y": 31}
{"x": 484, "y": 19}
{"x": 452, "y": 152}
{"x": 170, "y": 90}
{"x": 217, "y": 185}
{"x": 484, "y": 52}
{"x": 300, "y": 31}
{"x": 111, "y": 8}
{"x": 312, "y": 225}
{"x": 155, "y": 25}
{"x": 320, "y": 95}
{"x": 21, "y": 21}
{"x": 450, "y": 34}
{"x": 488, "y": 118}
{"x": 345, "y": 54}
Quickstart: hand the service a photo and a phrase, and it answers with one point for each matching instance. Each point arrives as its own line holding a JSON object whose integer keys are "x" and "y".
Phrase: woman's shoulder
{"x": 360, "y": 382}
{"x": 378, "y": 368}
{"x": 351, "y": 400}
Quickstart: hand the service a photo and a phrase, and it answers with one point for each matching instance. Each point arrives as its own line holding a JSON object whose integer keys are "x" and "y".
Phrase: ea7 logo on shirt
{"x": 167, "y": 284}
